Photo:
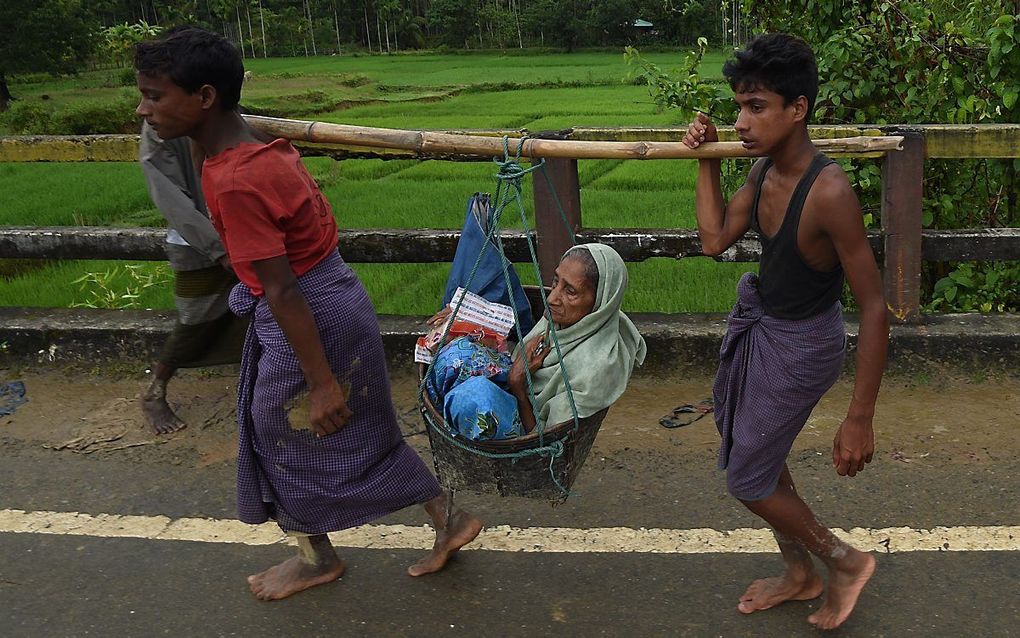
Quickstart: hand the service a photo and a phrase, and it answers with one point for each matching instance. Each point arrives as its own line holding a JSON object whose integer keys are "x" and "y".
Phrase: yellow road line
{"x": 504, "y": 538}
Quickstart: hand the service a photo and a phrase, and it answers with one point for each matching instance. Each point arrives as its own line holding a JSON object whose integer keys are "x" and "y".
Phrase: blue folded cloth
{"x": 489, "y": 281}
{"x": 479, "y": 410}
{"x": 12, "y": 394}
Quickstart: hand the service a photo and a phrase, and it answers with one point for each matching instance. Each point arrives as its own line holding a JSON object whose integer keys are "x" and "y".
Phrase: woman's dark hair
{"x": 777, "y": 62}
{"x": 591, "y": 269}
{"x": 192, "y": 57}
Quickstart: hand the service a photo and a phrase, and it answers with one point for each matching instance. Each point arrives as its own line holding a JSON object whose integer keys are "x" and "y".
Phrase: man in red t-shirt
{"x": 270, "y": 178}
{"x": 319, "y": 446}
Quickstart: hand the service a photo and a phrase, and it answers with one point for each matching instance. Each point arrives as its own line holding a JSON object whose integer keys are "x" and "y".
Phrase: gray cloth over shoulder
{"x": 173, "y": 182}
{"x": 772, "y": 372}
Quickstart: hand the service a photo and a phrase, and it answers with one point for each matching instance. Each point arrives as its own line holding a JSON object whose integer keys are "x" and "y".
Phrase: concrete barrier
{"x": 676, "y": 343}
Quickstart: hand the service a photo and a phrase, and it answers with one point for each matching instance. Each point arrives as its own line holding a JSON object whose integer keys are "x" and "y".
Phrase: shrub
{"x": 115, "y": 78}
{"x": 28, "y": 118}
{"x": 89, "y": 118}
{"x": 127, "y": 77}
{"x": 978, "y": 287}
{"x": 33, "y": 78}
{"x": 354, "y": 80}
{"x": 121, "y": 286}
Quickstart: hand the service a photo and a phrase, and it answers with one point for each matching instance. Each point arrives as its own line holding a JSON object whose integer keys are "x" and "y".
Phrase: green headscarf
{"x": 599, "y": 351}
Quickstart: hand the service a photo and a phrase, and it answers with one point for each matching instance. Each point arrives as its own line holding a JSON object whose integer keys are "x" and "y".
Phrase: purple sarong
{"x": 772, "y": 372}
{"x": 306, "y": 483}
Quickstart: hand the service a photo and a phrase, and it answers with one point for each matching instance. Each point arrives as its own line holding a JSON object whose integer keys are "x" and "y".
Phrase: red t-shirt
{"x": 264, "y": 204}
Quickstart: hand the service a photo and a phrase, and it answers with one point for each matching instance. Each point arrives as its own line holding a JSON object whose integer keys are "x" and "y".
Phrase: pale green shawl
{"x": 599, "y": 351}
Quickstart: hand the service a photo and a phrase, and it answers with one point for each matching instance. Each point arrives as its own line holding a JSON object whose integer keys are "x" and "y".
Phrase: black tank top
{"x": 791, "y": 289}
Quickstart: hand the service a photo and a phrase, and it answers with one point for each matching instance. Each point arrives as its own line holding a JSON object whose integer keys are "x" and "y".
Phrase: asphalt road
{"x": 639, "y": 475}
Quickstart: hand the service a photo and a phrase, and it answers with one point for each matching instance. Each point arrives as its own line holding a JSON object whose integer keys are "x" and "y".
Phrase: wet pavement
{"x": 947, "y": 457}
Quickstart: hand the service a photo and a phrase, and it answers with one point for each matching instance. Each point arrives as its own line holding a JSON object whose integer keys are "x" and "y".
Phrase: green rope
{"x": 511, "y": 176}
{"x": 509, "y": 180}
{"x": 510, "y": 166}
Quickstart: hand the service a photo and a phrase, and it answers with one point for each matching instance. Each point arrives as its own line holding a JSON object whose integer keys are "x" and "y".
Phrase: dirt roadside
{"x": 920, "y": 419}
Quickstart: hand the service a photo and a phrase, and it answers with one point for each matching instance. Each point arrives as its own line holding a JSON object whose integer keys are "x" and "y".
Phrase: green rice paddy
{"x": 407, "y": 91}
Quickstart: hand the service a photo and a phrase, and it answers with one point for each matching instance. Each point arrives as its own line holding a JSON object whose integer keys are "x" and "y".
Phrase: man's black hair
{"x": 777, "y": 62}
{"x": 192, "y": 57}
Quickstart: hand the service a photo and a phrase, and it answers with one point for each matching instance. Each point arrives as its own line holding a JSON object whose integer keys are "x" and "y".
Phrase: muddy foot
{"x": 844, "y": 587}
{"x": 461, "y": 529}
{"x": 160, "y": 417}
{"x": 292, "y": 576}
{"x": 768, "y": 592}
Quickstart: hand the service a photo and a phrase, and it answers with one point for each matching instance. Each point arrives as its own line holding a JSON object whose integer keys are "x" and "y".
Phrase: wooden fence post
{"x": 902, "y": 192}
{"x": 553, "y": 237}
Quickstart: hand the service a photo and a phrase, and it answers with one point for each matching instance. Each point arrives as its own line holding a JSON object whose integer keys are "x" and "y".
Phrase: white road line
{"x": 504, "y": 538}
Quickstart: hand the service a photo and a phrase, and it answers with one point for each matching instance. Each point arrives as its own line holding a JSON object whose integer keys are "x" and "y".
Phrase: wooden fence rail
{"x": 392, "y": 245}
{"x": 902, "y": 244}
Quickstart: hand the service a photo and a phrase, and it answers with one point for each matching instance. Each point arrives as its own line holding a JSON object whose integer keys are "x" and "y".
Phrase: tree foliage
{"x": 683, "y": 89}
{"x": 50, "y": 36}
{"x": 898, "y": 60}
{"x": 119, "y": 40}
{"x": 386, "y": 26}
{"x": 902, "y": 62}
{"x": 906, "y": 61}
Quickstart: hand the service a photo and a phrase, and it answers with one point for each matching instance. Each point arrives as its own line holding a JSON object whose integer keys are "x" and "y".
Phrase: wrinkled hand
{"x": 438, "y": 318}
{"x": 535, "y": 352}
{"x": 701, "y": 130}
{"x": 328, "y": 409}
{"x": 853, "y": 447}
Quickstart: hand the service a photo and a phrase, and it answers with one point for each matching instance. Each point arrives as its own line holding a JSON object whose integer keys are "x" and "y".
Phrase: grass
{"x": 75, "y": 194}
{"x": 319, "y": 85}
{"x": 430, "y": 91}
{"x": 434, "y": 70}
{"x": 52, "y": 285}
{"x": 535, "y": 109}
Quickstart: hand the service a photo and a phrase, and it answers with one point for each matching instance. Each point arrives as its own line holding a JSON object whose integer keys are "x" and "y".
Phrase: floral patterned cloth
{"x": 469, "y": 379}
{"x": 462, "y": 358}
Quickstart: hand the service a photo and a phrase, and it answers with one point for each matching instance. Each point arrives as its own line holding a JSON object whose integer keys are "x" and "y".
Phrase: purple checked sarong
{"x": 772, "y": 372}
{"x": 306, "y": 483}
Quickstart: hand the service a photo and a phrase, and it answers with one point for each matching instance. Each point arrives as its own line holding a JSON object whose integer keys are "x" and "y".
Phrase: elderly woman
{"x": 599, "y": 345}
{"x": 485, "y": 394}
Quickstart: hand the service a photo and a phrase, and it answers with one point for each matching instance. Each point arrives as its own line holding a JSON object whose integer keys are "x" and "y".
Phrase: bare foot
{"x": 460, "y": 530}
{"x": 766, "y": 593}
{"x": 291, "y": 576}
{"x": 159, "y": 416}
{"x": 844, "y": 587}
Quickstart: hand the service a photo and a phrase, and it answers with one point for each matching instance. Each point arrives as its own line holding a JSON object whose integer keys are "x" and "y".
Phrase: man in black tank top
{"x": 785, "y": 339}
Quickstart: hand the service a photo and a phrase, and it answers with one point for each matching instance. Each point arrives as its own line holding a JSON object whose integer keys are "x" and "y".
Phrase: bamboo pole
{"x": 462, "y": 144}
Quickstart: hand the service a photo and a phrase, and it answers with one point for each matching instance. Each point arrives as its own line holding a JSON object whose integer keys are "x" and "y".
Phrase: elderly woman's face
{"x": 572, "y": 297}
